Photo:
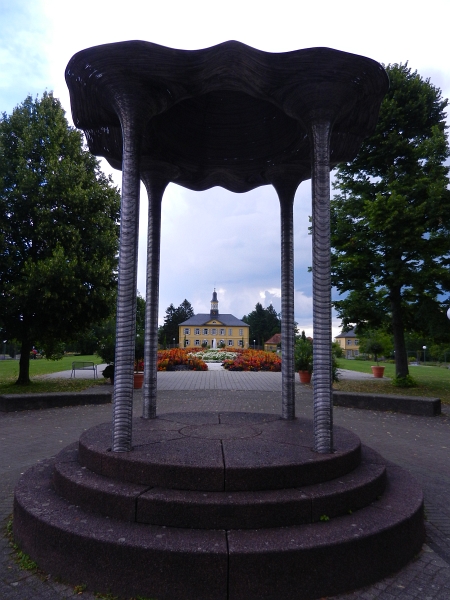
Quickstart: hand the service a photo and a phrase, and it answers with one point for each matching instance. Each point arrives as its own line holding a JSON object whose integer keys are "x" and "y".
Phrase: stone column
{"x": 321, "y": 249}
{"x": 286, "y": 192}
{"x": 127, "y": 288}
{"x": 155, "y": 186}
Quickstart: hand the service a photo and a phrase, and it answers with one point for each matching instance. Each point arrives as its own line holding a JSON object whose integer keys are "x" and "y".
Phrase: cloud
{"x": 216, "y": 238}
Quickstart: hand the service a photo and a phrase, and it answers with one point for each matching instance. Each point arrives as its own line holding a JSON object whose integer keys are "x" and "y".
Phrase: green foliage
{"x": 324, "y": 518}
{"x": 263, "y": 322}
{"x": 23, "y": 560}
{"x": 433, "y": 382}
{"x": 174, "y": 316}
{"x": 375, "y": 342}
{"x": 303, "y": 354}
{"x": 59, "y": 223}
{"x": 404, "y": 382}
{"x": 337, "y": 350}
{"x": 108, "y": 372}
{"x": 106, "y": 335}
{"x": 391, "y": 218}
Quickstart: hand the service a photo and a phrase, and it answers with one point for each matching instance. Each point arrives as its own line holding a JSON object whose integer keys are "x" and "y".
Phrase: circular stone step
{"x": 218, "y": 510}
{"x": 220, "y": 452}
{"x": 169, "y": 563}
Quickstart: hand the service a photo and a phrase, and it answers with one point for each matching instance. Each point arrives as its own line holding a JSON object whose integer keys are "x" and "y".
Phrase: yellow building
{"x": 214, "y": 330}
{"x": 349, "y": 343}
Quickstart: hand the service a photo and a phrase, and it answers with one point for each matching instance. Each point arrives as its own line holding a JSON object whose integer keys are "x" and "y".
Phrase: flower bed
{"x": 168, "y": 359}
{"x": 254, "y": 360}
{"x": 218, "y": 356}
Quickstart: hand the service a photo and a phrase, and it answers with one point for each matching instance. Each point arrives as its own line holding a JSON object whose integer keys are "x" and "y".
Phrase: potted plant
{"x": 303, "y": 358}
{"x": 138, "y": 373}
{"x": 375, "y": 343}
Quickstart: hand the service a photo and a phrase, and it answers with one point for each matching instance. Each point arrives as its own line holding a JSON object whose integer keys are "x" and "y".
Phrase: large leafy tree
{"x": 59, "y": 230}
{"x": 174, "y": 316}
{"x": 391, "y": 218}
{"x": 263, "y": 322}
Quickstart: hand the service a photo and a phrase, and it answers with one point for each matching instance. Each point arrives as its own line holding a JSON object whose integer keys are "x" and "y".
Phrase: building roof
{"x": 348, "y": 334}
{"x": 275, "y": 339}
{"x": 225, "y": 319}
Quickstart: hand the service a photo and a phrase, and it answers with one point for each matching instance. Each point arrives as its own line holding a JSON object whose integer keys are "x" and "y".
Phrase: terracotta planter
{"x": 377, "y": 371}
{"x": 305, "y": 376}
{"x": 138, "y": 380}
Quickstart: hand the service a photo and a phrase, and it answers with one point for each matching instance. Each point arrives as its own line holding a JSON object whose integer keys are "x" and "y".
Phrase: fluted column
{"x": 321, "y": 250}
{"x": 127, "y": 289}
{"x": 286, "y": 192}
{"x": 155, "y": 189}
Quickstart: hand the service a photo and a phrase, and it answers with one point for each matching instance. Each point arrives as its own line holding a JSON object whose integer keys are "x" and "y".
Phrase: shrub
{"x": 404, "y": 382}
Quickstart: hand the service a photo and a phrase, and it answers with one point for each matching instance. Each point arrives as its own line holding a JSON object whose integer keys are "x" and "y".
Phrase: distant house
{"x": 349, "y": 343}
{"x": 272, "y": 344}
{"x": 214, "y": 329}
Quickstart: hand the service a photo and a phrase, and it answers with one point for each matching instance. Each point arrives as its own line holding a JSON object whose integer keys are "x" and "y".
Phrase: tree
{"x": 105, "y": 334}
{"x": 174, "y": 316}
{"x": 391, "y": 218}
{"x": 263, "y": 322}
{"x": 59, "y": 230}
{"x": 375, "y": 342}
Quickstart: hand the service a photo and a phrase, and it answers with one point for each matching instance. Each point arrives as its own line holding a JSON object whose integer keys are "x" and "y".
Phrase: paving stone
{"x": 418, "y": 444}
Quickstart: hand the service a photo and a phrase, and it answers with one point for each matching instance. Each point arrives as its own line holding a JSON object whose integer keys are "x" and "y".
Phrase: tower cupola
{"x": 214, "y": 305}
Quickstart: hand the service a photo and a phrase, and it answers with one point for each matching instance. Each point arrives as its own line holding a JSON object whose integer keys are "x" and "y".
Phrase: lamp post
{"x": 424, "y": 349}
{"x": 173, "y": 343}
{"x": 253, "y": 344}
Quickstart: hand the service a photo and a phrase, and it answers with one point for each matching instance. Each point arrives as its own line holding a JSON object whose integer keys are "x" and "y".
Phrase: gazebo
{"x": 201, "y": 505}
{"x": 228, "y": 116}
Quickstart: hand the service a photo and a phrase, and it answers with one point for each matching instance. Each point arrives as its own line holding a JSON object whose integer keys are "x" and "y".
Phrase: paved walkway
{"x": 420, "y": 444}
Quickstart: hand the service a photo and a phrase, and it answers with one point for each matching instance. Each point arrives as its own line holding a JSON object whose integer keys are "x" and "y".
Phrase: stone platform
{"x": 219, "y": 506}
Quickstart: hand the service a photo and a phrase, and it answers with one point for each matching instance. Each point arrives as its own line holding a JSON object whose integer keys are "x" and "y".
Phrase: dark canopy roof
{"x": 228, "y": 115}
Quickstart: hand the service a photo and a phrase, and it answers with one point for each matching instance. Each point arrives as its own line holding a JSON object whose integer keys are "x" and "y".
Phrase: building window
{"x": 205, "y": 331}
{"x": 187, "y": 330}
{"x": 349, "y": 342}
{"x": 186, "y": 343}
{"x": 197, "y": 331}
{"x": 214, "y": 322}
{"x": 197, "y": 343}
{"x": 222, "y": 332}
{"x": 230, "y": 332}
{"x": 356, "y": 342}
{"x": 222, "y": 342}
{"x": 241, "y": 343}
{"x": 213, "y": 331}
{"x": 230, "y": 342}
{"x": 205, "y": 343}
{"x": 241, "y": 332}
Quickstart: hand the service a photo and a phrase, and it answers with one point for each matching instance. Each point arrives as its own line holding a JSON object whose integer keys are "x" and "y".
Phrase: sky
{"x": 217, "y": 239}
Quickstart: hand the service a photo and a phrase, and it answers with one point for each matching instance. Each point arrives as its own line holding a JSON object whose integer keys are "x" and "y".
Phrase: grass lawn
{"x": 431, "y": 381}
{"x": 9, "y": 371}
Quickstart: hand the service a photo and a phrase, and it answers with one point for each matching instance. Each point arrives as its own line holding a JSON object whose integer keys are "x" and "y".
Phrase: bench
{"x": 84, "y": 366}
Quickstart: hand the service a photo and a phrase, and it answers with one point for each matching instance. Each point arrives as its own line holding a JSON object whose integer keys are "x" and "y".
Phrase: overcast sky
{"x": 216, "y": 238}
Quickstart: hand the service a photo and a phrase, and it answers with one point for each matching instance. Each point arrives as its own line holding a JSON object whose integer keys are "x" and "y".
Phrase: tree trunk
{"x": 24, "y": 363}
{"x": 401, "y": 356}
